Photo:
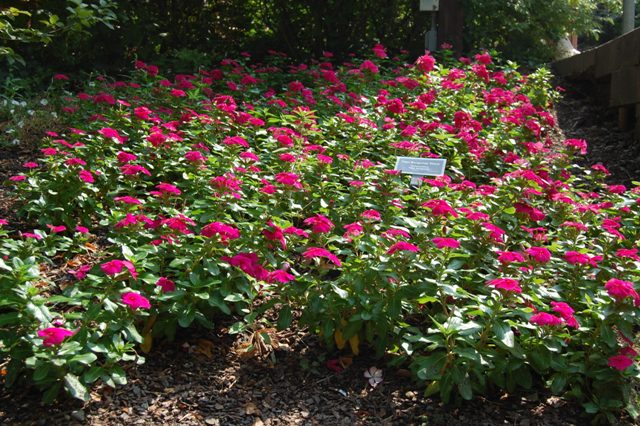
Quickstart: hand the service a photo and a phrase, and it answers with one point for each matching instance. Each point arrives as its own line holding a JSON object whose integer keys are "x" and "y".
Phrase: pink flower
{"x": 506, "y": 284}
{"x": 249, "y": 263}
{"x": 353, "y": 230}
{"x": 166, "y": 284}
{"x": 62, "y": 77}
{"x": 620, "y": 290}
{"x": 563, "y": 309}
{"x": 628, "y": 253}
{"x": 495, "y": 232}
{"x": 509, "y": 257}
{"x": 57, "y": 229}
{"x": 442, "y": 242}
{"x": 539, "y": 254}
{"x": 116, "y": 266}
{"x": 135, "y": 300}
{"x": 425, "y": 63}
{"x": 279, "y": 276}
{"x": 620, "y": 362}
{"x": 543, "y": 318}
{"x": 578, "y": 144}
{"x": 313, "y": 252}
{"x": 379, "y": 51}
{"x": 236, "y": 140}
{"x": 86, "y": 176}
{"x": 402, "y": 246}
{"x": 82, "y": 229}
{"x": 369, "y": 67}
{"x": 110, "y": 133}
{"x": 440, "y": 208}
{"x": 289, "y": 179}
{"x": 574, "y": 257}
{"x": 319, "y": 224}
{"x": 370, "y": 215}
{"x": 54, "y": 336}
{"x": 127, "y": 199}
{"x": 81, "y": 272}
{"x": 224, "y": 231}
{"x": 30, "y": 165}
{"x": 194, "y": 157}
{"x": 167, "y": 188}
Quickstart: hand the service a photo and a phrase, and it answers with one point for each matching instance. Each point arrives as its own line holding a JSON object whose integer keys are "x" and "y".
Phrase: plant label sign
{"x": 418, "y": 167}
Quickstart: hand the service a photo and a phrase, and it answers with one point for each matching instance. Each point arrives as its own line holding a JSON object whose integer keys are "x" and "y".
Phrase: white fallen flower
{"x": 374, "y": 375}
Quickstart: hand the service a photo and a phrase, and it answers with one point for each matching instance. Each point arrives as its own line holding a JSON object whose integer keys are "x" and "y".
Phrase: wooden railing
{"x": 616, "y": 65}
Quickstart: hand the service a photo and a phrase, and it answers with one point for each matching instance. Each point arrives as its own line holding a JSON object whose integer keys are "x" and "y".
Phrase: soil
{"x": 205, "y": 378}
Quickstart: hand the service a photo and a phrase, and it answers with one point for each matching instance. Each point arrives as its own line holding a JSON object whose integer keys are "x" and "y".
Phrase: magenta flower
{"x": 249, "y": 263}
{"x": 116, "y": 266}
{"x": 543, "y": 318}
{"x": 236, "y": 140}
{"x": 86, "y": 176}
{"x": 402, "y": 246}
{"x": 620, "y": 362}
{"x": 443, "y": 242}
{"x": 353, "y": 230}
{"x": 370, "y": 215}
{"x": 56, "y": 229}
{"x": 194, "y": 157}
{"x": 167, "y": 188}
{"x": 506, "y": 284}
{"x": 135, "y": 300}
{"x": 319, "y": 224}
{"x": 539, "y": 254}
{"x": 563, "y": 309}
{"x": 54, "y": 336}
{"x": 127, "y": 199}
{"x": 620, "y": 290}
{"x": 223, "y": 231}
{"x": 110, "y": 133}
{"x": 166, "y": 284}
{"x": 279, "y": 276}
{"x": 425, "y": 63}
{"x": 289, "y": 179}
{"x": 440, "y": 208}
{"x": 313, "y": 252}
{"x": 509, "y": 257}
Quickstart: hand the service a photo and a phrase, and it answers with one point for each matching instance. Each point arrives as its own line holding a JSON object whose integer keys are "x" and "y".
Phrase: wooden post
{"x": 451, "y": 24}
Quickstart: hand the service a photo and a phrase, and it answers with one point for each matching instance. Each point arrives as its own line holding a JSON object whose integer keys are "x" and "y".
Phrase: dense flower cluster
{"x": 174, "y": 200}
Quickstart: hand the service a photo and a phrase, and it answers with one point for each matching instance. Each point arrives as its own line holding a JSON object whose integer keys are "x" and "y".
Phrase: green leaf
{"x": 86, "y": 358}
{"x": 118, "y": 375}
{"x": 237, "y": 327}
{"x": 132, "y": 333}
{"x": 41, "y": 372}
{"x": 50, "y": 395}
{"x": 285, "y": 317}
{"x": 73, "y": 385}
{"x": 234, "y": 297}
{"x": 559, "y": 383}
{"x": 464, "y": 387}
{"x": 92, "y": 374}
{"x": 504, "y": 334}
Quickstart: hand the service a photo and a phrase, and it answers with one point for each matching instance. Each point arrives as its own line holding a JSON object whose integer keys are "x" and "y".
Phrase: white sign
{"x": 421, "y": 166}
{"x": 429, "y": 5}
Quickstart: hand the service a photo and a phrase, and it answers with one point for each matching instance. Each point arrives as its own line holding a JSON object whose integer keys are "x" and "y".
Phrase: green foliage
{"x": 527, "y": 30}
{"x": 246, "y": 191}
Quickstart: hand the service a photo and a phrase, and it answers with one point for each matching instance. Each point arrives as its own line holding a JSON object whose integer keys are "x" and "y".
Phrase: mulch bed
{"x": 203, "y": 378}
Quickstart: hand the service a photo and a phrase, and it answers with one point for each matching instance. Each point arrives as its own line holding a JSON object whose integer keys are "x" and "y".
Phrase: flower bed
{"x": 270, "y": 187}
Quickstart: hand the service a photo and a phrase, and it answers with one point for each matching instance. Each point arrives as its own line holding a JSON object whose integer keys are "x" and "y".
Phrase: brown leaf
{"x": 204, "y": 347}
